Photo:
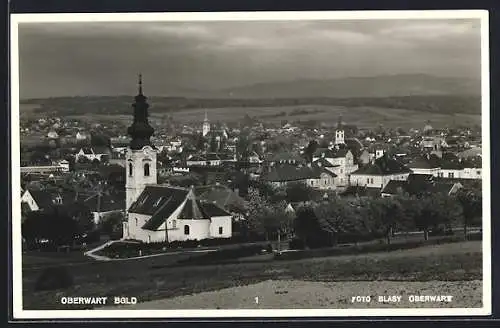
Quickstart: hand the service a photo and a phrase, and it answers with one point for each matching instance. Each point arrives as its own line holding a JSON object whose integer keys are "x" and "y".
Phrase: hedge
{"x": 371, "y": 248}
{"x": 129, "y": 249}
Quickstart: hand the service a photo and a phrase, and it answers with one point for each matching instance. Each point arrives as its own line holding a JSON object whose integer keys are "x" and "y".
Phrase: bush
{"x": 296, "y": 244}
{"x": 54, "y": 278}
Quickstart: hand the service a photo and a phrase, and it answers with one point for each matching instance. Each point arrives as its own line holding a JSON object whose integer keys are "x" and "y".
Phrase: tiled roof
{"x": 212, "y": 157}
{"x": 290, "y": 173}
{"x": 394, "y": 187}
{"x": 107, "y": 203}
{"x": 155, "y": 197}
{"x": 323, "y": 163}
{"x": 423, "y": 163}
{"x": 222, "y": 196}
{"x": 383, "y": 166}
{"x": 451, "y": 165}
{"x": 192, "y": 209}
{"x": 42, "y": 198}
{"x": 211, "y": 209}
{"x": 418, "y": 184}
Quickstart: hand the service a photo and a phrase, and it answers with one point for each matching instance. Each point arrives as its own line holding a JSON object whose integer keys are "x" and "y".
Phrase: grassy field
{"x": 363, "y": 117}
{"x": 152, "y": 278}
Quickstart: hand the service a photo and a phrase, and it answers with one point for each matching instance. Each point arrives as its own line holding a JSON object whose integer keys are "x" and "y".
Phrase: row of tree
{"x": 359, "y": 217}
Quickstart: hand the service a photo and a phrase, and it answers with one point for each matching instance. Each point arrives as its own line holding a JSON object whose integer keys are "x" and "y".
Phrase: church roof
{"x": 211, "y": 209}
{"x": 159, "y": 202}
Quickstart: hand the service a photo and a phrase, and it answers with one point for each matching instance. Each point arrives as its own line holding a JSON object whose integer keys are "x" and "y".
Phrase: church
{"x": 163, "y": 213}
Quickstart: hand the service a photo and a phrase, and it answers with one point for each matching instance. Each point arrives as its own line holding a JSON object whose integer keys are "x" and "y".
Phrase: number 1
{"x": 257, "y": 300}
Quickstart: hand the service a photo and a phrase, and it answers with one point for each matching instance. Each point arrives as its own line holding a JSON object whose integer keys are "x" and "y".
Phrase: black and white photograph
{"x": 250, "y": 164}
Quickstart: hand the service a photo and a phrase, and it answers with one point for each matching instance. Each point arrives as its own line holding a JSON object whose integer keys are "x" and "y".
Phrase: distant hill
{"x": 377, "y": 86}
{"x": 121, "y": 105}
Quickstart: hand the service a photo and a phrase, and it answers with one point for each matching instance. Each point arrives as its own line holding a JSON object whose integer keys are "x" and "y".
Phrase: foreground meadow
{"x": 458, "y": 264}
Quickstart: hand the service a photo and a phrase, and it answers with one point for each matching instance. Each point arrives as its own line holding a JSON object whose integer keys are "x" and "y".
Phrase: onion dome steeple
{"x": 140, "y": 130}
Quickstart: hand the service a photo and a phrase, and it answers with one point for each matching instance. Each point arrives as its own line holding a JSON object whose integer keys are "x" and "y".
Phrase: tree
{"x": 471, "y": 203}
{"x": 199, "y": 142}
{"x": 213, "y": 144}
{"x": 243, "y": 148}
{"x": 298, "y": 192}
{"x": 266, "y": 217}
{"x": 112, "y": 224}
{"x": 310, "y": 150}
{"x": 388, "y": 214}
{"x": 435, "y": 210}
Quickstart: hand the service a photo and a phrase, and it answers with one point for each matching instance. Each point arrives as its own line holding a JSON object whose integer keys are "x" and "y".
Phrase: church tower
{"x": 339, "y": 133}
{"x": 141, "y": 154}
{"x": 206, "y": 125}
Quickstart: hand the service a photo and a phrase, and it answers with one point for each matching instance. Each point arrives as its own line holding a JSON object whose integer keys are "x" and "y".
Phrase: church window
{"x": 450, "y": 175}
{"x": 174, "y": 224}
{"x": 136, "y": 222}
{"x": 220, "y": 230}
{"x": 186, "y": 230}
{"x": 130, "y": 169}
{"x": 146, "y": 170}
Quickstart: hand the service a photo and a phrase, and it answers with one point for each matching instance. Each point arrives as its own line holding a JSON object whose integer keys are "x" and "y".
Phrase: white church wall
{"x": 224, "y": 222}
{"x": 198, "y": 229}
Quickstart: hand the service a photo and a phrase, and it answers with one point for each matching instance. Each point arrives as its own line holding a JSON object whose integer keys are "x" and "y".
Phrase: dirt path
{"x": 308, "y": 295}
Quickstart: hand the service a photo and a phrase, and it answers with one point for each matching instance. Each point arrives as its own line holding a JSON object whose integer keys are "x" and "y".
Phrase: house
{"x": 285, "y": 158}
{"x": 62, "y": 166}
{"x": 365, "y": 157}
{"x": 380, "y": 172}
{"x": 165, "y": 213}
{"x": 425, "y": 165}
{"x": 81, "y": 136}
{"x": 254, "y": 158}
{"x": 93, "y": 153}
{"x": 419, "y": 184}
{"x": 451, "y": 169}
{"x": 36, "y": 200}
{"x": 210, "y": 159}
{"x": 104, "y": 206}
{"x": 223, "y": 197}
{"x": 342, "y": 161}
{"x": 313, "y": 176}
{"x": 196, "y": 160}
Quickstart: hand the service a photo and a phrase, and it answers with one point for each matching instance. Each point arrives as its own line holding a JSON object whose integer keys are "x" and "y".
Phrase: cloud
{"x": 103, "y": 58}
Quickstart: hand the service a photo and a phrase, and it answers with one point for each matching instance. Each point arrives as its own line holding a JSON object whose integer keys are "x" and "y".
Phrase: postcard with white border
{"x": 250, "y": 164}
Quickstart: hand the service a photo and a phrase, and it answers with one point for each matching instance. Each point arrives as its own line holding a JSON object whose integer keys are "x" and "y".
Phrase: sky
{"x": 71, "y": 59}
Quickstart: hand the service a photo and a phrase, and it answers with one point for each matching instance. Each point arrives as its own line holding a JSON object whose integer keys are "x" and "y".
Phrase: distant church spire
{"x": 339, "y": 122}
{"x": 206, "y": 116}
{"x": 140, "y": 130}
